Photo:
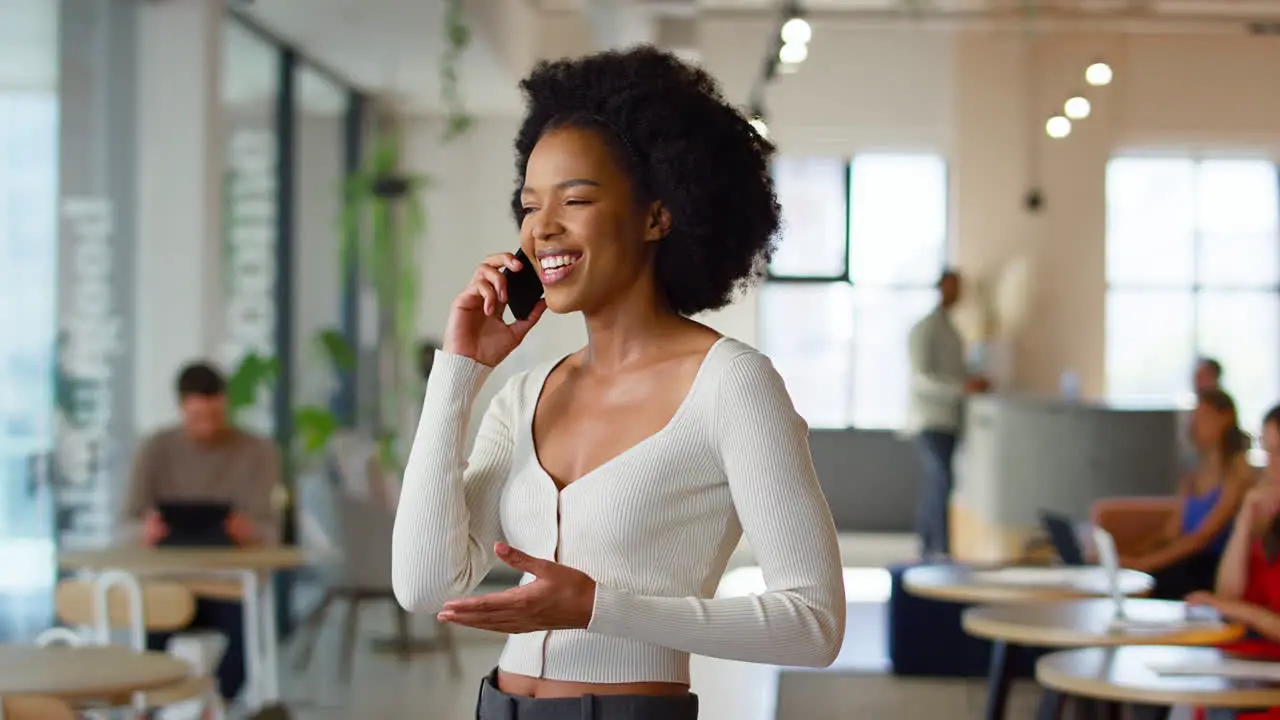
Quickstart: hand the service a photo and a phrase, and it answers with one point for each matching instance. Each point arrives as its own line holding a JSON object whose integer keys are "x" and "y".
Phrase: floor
{"x": 855, "y": 686}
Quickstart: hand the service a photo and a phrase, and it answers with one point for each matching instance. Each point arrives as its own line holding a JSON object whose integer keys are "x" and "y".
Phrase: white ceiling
{"x": 390, "y": 46}
{"x": 394, "y": 47}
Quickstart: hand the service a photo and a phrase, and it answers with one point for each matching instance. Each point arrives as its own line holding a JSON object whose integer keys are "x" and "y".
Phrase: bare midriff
{"x": 526, "y": 686}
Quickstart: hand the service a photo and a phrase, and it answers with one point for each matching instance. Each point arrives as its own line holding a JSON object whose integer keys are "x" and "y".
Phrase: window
{"x": 862, "y": 245}
{"x": 1193, "y": 268}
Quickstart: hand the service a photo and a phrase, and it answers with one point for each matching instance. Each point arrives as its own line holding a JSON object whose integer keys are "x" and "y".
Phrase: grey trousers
{"x": 497, "y": 705}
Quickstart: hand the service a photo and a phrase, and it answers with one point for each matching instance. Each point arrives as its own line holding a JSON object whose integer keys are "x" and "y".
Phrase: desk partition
{"x": 1023, "y": 454}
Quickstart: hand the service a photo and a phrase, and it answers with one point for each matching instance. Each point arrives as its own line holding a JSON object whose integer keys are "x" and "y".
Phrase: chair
{"x": 117, "y": 600}
{"x": 362, "y": 571}
{"x": 36, "y": 707}
{"x": 1132, "y": 521}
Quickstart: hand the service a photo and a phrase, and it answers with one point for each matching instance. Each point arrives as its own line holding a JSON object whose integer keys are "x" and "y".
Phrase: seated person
{"x": 207, "y": 459}
{"x": 1184, "y": 558}
{"x": 1248, "y": 583}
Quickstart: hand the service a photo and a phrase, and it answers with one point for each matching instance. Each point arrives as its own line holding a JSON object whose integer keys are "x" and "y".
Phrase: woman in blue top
{"x": 1184, "y": 558}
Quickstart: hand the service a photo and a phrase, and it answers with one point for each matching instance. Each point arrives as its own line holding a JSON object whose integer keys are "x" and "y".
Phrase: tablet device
{"x": 195, "y": 524}
{"x": 1062, "y": 535}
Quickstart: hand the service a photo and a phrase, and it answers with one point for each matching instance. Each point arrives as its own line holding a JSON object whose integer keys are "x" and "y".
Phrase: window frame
{"x": 1197, "y": 288}
{"x": 945, "y": 261}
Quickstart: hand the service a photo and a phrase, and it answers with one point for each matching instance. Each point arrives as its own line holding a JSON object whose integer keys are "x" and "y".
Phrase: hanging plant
{"x": 382, "y": 222}
{"x": 458, "y": 37}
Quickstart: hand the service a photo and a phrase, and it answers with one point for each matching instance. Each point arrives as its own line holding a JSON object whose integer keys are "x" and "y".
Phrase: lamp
{"x": 1057, "y": 127}
{"x": 1097, "y": 74}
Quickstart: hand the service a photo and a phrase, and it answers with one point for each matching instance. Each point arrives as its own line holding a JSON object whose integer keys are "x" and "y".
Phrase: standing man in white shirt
{"x": 940, "y": 380}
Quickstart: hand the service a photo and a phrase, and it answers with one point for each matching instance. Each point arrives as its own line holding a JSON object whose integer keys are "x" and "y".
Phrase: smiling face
{"x": 1271, "y": 443}
{"x": 582, "y": 223}
{"x": 1209, "y": 425}
{"x": 204, "y": 416}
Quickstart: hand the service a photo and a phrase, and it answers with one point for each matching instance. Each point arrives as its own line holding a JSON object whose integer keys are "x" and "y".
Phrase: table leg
{"x": 252, "y": 638}
{"x": 270, "y": 644}
{"x": 999, "y": 678}
{"x": 1051, "y": 705}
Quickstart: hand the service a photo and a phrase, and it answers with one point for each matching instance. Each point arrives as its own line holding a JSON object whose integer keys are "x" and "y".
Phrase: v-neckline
{"x": 537, "y": 400}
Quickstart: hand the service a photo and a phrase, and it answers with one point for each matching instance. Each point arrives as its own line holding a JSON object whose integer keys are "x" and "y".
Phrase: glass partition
{"x": 319, "y": 172}
{"x": 29, "y": 110}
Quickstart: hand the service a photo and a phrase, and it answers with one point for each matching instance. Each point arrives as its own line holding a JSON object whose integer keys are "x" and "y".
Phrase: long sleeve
{"x": 925, "y": 376}
{"x": 447, "y": 516}
{"x": 764, "y": 452}
{"x": 141, "y": 496}
{"x": 257, "y": 499}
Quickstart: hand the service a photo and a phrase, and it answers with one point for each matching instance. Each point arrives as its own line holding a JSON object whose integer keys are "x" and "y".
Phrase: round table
{"x": 223, "y": 573}
{"x": 108, "y": 673}
{"x": 159, "y": 561}
{"x": 1123, "y": 675}
{"x": 972, "y": 585}
{"x": 1087, "y": 623}
{"x": 1014, "y": 584}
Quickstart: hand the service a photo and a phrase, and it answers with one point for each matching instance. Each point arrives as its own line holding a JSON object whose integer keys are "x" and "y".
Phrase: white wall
{"x": 979, "y": 97}
{"x": 1184, "y": 93}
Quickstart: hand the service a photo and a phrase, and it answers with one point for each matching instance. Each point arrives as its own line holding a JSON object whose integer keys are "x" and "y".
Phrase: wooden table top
{"x": 972, "y": 585}
{"x": 1087, "y": 623}
{"x": 1124, "y": 675}
{"x": 86, "y": 673}
{"x": 141, "y": 560}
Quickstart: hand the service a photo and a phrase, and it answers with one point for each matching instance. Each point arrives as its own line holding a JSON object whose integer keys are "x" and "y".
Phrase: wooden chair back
{"x": 166, "y": 606}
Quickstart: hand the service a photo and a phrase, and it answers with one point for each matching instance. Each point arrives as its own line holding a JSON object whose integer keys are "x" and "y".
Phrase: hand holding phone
{"x": 476, "y": 328}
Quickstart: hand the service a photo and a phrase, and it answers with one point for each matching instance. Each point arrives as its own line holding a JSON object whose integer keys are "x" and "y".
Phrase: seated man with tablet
{"x": 206, "y": 483}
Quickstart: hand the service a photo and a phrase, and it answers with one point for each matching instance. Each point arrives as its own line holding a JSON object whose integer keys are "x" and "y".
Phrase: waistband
{"x": 493, "y": 704}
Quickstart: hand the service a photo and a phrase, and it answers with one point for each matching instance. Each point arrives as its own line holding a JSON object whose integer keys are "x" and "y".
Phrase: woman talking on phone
{"x": 620, "y": 478}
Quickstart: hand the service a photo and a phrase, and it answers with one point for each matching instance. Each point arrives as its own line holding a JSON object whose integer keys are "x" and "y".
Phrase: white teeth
{"x": 551, "y": 262}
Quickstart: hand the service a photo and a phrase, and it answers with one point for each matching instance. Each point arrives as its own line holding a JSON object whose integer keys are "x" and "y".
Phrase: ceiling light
{"x": 761, "y": 129}
{"x": 1098, "y": 73}
{"x": 797, "y": 31}
{"x": 793, "y": 53}
{"x": 1077, "y": 108}
{"x": 1057, "y": 127}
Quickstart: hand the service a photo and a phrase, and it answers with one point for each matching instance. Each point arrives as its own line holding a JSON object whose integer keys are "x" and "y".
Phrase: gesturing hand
{"x": 561, "y": 598}
{"x": 476, "y": 328}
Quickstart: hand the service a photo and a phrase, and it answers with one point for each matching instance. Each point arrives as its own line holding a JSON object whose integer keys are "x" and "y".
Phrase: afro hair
{"x": 682, "y": 145}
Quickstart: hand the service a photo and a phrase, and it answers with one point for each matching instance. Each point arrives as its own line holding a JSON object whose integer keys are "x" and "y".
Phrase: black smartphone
{"x": 524, "y": 287}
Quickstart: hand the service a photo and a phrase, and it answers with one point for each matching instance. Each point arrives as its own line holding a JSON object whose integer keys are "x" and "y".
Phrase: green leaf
{"x": 254, "y": 372}
{"x": 459, "y": 35}
{"x": 387, "y": 451}
{"x": 314, "y": 428}
{"x": 336, "y": 348}
{"x": 458, "y": 125}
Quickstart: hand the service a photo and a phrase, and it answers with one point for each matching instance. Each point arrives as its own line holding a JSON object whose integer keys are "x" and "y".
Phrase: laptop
{"x": 195, "y": 524}
{"x": 1062, "y": 535}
